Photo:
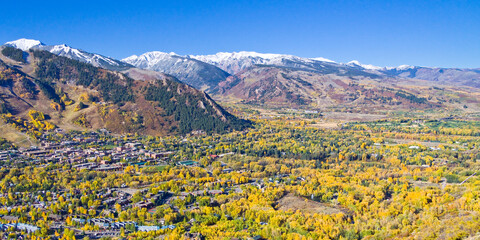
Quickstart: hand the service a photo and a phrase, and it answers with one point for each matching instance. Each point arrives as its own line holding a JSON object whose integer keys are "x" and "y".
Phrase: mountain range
{"x": 68, "y": 90}
{"x": 280, "y": 80}
{"x": 63, "y": 50}
{"x": 199, "y": 74}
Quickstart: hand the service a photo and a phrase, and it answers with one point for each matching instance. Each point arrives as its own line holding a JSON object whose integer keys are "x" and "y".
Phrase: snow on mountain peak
{"x": 365, "y": 66}
{"x": 131, "y": 58}
{"x": 321, "y": 59}
{"x": 233, "y": 62}
{"x": 400, "y": 68}
{"x": 66, "y": 51}
{"x": 152, "y": 54}
{"x": 149, "y": 59}
{"x": 24, "y": 44}
{"x": 222, "y": 57}
{"x": 404, "y": 67}
{"x": 64, "y": 48}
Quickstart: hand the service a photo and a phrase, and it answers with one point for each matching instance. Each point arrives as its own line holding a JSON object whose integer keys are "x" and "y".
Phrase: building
{"x": 148, "y": 228}
{"x": 27, "y": 227}
{"x": 188, "y": 163}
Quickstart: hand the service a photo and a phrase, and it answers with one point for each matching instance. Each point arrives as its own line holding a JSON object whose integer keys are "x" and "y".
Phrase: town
{"x": 269, "y": 182}
{"x": 101, "y": 152}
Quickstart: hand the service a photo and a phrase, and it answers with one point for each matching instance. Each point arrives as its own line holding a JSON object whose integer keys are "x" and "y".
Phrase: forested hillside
{"x": 78, "y": 95}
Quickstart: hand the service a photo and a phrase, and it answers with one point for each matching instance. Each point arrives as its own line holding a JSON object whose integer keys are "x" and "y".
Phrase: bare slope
{"x": 273, "y": 86}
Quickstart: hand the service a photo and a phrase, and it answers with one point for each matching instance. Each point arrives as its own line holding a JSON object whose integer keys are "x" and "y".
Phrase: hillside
{"x": 273, "y": 86}
{"x": 75, "y": 95}
{"x": 444, "y": 76}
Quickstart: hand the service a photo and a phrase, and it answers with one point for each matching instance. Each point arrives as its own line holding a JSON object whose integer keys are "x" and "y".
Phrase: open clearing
{"x": 294, "y": 203}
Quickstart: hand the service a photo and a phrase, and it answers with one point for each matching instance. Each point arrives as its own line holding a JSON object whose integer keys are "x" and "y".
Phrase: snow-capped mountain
{"x": 322, "y": 59}
{"x": 149, "y": 59}
{"x": 235, "y": 62}
{"x": 24, "y": 44}
{"x": 401, "y": 67}
{"x": 356, "y": 63}
{"x": 82, "y": 56}
{"x": 467, "y": 77}
{"x": 371, "y": 67}
{"x": 207, "y": 71}
{"x": 199, "y": 74}
{"x": 63, "y": 50}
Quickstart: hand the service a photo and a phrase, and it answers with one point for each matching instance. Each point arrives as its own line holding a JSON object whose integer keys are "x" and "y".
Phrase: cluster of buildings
{"x": 98, "y": 152}
{"x": 87, "y": 151}
{"x": 108, "y": 226}
{"x": 19, "y": 227}
{"x": 109, "y": 223}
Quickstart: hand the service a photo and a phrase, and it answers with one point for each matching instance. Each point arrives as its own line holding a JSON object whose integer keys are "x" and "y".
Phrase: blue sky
{"x": 384, "y": 33}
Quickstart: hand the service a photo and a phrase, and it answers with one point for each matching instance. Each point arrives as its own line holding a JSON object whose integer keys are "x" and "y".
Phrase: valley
{"x": 234, "y": 146}
{"x": 282, "y": 179}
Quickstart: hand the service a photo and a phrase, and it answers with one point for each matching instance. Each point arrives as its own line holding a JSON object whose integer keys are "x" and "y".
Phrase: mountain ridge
{"x": 64, "y": 50}
{"x": 236, "y": 62}
{"x": 26, "y": 44}
{"x": 196, "y": 73}
{"x": 76, "y": 95}
{"x": 218, "y": 73}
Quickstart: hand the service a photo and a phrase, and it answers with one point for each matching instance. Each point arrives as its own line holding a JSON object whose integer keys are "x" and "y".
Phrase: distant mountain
{"x": 272, "y": 86}
{"x": 357, "y": 64}
{"x": 196, "y": 73}
{"x": 63, "y": 50}
{"x": 238, "y": 61}
{"x": 446, "y": 76}
{"x": 193, "y": 72}
{"x": 282, "y": 80}
{"x": 75, "y": 94}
